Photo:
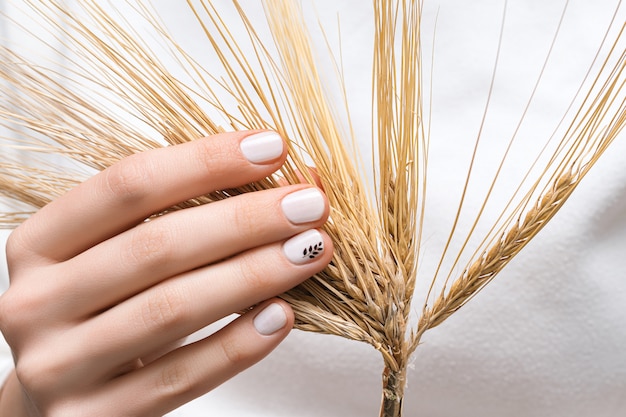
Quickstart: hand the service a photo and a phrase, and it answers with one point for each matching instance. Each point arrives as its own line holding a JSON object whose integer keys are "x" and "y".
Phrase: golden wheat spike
{"x": 597, "y": 124}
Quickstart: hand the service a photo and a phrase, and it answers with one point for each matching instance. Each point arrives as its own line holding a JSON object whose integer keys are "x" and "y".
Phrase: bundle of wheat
{"x": 366, "y": 293}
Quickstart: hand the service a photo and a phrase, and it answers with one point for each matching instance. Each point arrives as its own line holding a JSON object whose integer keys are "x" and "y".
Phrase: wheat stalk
{"x": 365, "y": 293}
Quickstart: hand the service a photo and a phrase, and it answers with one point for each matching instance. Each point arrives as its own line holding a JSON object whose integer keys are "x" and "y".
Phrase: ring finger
{"x": 181, "y": 305}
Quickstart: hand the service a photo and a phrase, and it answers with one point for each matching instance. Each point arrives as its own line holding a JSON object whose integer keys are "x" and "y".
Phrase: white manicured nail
{"x": 304, "y": 247}
{"x": 303, "y": 206}
{"x": 270, "y": 320}
{"x": 262, "y": 147}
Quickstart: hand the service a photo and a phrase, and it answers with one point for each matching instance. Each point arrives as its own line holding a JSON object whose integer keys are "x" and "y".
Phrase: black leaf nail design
{"x": 313, "y": 250}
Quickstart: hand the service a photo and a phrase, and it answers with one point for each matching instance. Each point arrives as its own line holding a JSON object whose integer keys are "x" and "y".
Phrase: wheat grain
{"x": 492, "y": 261}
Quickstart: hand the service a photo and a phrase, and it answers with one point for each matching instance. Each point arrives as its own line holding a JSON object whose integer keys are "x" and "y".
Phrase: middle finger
{"x": 181, "y": 241}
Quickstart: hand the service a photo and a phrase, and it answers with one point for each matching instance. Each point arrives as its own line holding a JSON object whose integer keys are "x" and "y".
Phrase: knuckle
{"x": 27, "y": 373}
{"x": 254, "y": 273}
{"x": 239, "y": 353}
{"x": 8, "y": 311}
{"x": 17, "y": 309}
{"x": 26, "y": 310}
{"x": 165, "y": 308}
{"x": 50, "y": 378}
{"x": 234, "y": 352}
{"x": 14, "y": 246}
{"x": 35, "y": 372}
{"x": 246, "y": 215}
{"x": 214, "y": 156}
{"x": 150, "y": 243}
{"x": 129, "y": 180}
{"x": 17, "y": 246}
{"x": 175, "y": 379}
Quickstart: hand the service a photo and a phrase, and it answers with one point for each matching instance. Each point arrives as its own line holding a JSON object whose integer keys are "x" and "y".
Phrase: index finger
{"x": 138, "y": 186}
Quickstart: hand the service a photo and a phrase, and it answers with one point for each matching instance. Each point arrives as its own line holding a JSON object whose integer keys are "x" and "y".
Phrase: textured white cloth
{"x": 547, "y": 337}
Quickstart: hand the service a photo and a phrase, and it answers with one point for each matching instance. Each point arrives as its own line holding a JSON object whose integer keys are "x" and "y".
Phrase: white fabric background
{"x": 546, "y": 337}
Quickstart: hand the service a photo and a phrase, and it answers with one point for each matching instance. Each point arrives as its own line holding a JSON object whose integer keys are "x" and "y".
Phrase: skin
{"x": 100, "y": 300}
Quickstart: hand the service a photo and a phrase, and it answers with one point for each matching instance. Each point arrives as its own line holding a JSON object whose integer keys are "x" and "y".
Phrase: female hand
{"x": 99, "y": 297}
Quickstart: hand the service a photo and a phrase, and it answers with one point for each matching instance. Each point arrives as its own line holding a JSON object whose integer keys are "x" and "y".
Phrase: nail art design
{"x": 313, "y": 251}
{"x": 304, "y": 247}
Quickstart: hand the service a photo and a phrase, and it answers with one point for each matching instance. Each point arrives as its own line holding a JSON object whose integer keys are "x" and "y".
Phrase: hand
{"x": 100, "y": 298}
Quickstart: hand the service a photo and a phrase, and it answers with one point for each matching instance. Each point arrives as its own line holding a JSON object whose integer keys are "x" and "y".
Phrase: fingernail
{"x": 303, "y": 206}
{"x": 304, "y": 247}
{"x": 262, "y": 147}
{"x": 270, "y": 320}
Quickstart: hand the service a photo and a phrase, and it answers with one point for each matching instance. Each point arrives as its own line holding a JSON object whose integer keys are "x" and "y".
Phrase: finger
{"x": 195, "y": 369}
{"x": 182, "y": 305}
{"x": 138, "y": 186}
{"x": 183, "y": 241}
